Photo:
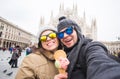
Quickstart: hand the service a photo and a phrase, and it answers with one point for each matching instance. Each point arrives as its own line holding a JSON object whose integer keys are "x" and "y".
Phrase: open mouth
{"x": 68, "y": 40}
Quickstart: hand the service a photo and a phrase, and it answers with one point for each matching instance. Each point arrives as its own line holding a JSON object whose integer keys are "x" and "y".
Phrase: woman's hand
{"x": 61, "y": 76}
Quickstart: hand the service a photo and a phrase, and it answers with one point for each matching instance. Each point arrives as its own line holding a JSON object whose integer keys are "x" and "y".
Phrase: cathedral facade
{"x": 88, "y": 30}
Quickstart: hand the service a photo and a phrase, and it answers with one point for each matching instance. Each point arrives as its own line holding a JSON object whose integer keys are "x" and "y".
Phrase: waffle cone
{"x": 61, "y": 71}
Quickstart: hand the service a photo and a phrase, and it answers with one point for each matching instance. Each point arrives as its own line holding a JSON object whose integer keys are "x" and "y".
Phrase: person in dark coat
{"x": 88, "y": 59}
{"x": 14, "y": 58}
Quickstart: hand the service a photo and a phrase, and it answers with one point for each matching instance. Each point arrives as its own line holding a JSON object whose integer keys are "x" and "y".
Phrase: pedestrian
{"x": 10, "y": 49}
{"x": 88, "y": 59}
{"x": 28, "y": 50}
{"x": 19, "y": 50}
{"x": 14, "y": 59}
{"x": 40, "y": 63}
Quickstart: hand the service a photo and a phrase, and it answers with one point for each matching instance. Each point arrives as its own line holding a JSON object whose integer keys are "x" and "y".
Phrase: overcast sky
{"x": 26, "y": 14}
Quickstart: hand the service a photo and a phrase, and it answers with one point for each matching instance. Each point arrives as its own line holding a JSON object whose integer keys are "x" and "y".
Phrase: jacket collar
{"x": 49, "y": 55}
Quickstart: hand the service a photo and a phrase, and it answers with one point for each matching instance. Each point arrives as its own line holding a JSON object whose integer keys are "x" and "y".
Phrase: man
{"x": 88, "y": 59}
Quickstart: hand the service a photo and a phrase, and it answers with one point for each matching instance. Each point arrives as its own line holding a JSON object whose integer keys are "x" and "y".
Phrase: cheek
{"x": 75, "y": 36}
{"x": 43, "y": 44}
{"x": 57, "y": 42}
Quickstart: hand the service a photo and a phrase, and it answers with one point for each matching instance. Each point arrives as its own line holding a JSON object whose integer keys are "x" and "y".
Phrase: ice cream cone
{"x": 61, "y": 61}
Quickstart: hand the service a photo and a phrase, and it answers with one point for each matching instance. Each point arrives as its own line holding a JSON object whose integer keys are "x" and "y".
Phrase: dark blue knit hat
{"x": 64, "y": 22}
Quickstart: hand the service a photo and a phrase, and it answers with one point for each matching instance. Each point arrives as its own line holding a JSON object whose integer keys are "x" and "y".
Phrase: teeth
{"x": 68, "y": 40}
{"x": 51, "y": 43}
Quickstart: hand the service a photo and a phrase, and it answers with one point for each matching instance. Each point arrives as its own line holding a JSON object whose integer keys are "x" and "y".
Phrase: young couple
{"x": 88, "y": 59}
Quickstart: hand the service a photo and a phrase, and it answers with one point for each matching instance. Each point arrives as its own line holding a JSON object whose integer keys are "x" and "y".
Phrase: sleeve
{"x": 99, "y": 65}
{"x": 26, "y": 70}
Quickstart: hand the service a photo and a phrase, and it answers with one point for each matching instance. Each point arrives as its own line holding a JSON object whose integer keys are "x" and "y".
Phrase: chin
{"x": 69, "y": 46}
{"x": 52, "y": 49}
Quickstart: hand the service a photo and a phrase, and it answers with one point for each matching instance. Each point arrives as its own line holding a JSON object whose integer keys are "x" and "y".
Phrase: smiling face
{"x": 69, "y": 40}
{"x": 51, "y": 44}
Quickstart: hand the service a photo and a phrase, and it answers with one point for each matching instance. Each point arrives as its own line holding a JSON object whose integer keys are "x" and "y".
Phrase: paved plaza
{"x": 6, "y": 72}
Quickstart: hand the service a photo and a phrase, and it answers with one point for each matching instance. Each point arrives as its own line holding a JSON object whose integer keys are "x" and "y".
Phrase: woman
{"x": 40, "y": 64}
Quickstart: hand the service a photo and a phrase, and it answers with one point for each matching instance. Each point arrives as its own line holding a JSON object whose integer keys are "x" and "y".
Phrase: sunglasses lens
{"x": 52, "y": 35}
{"x": 43, "y": 38}
{"x": 60, "y": 35}
{"x": 69, "y": 30}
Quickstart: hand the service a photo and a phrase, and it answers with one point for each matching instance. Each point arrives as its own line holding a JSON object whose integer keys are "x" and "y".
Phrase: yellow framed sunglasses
{"x": 50, "y": 35}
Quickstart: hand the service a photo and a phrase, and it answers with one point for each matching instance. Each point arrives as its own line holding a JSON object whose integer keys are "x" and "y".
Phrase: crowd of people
{"x": 15, "y": 53}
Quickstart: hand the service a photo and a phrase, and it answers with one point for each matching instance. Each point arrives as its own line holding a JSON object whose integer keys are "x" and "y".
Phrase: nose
{"x": 48, "y": 38}
{"x": 65, "y": 35}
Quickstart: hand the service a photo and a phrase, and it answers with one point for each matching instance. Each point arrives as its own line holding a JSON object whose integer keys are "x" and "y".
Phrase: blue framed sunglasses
{"x": 68, "y": 31}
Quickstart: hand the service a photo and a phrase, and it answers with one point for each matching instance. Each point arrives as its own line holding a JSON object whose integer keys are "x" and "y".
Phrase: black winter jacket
{"x": 94, "y": 61}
